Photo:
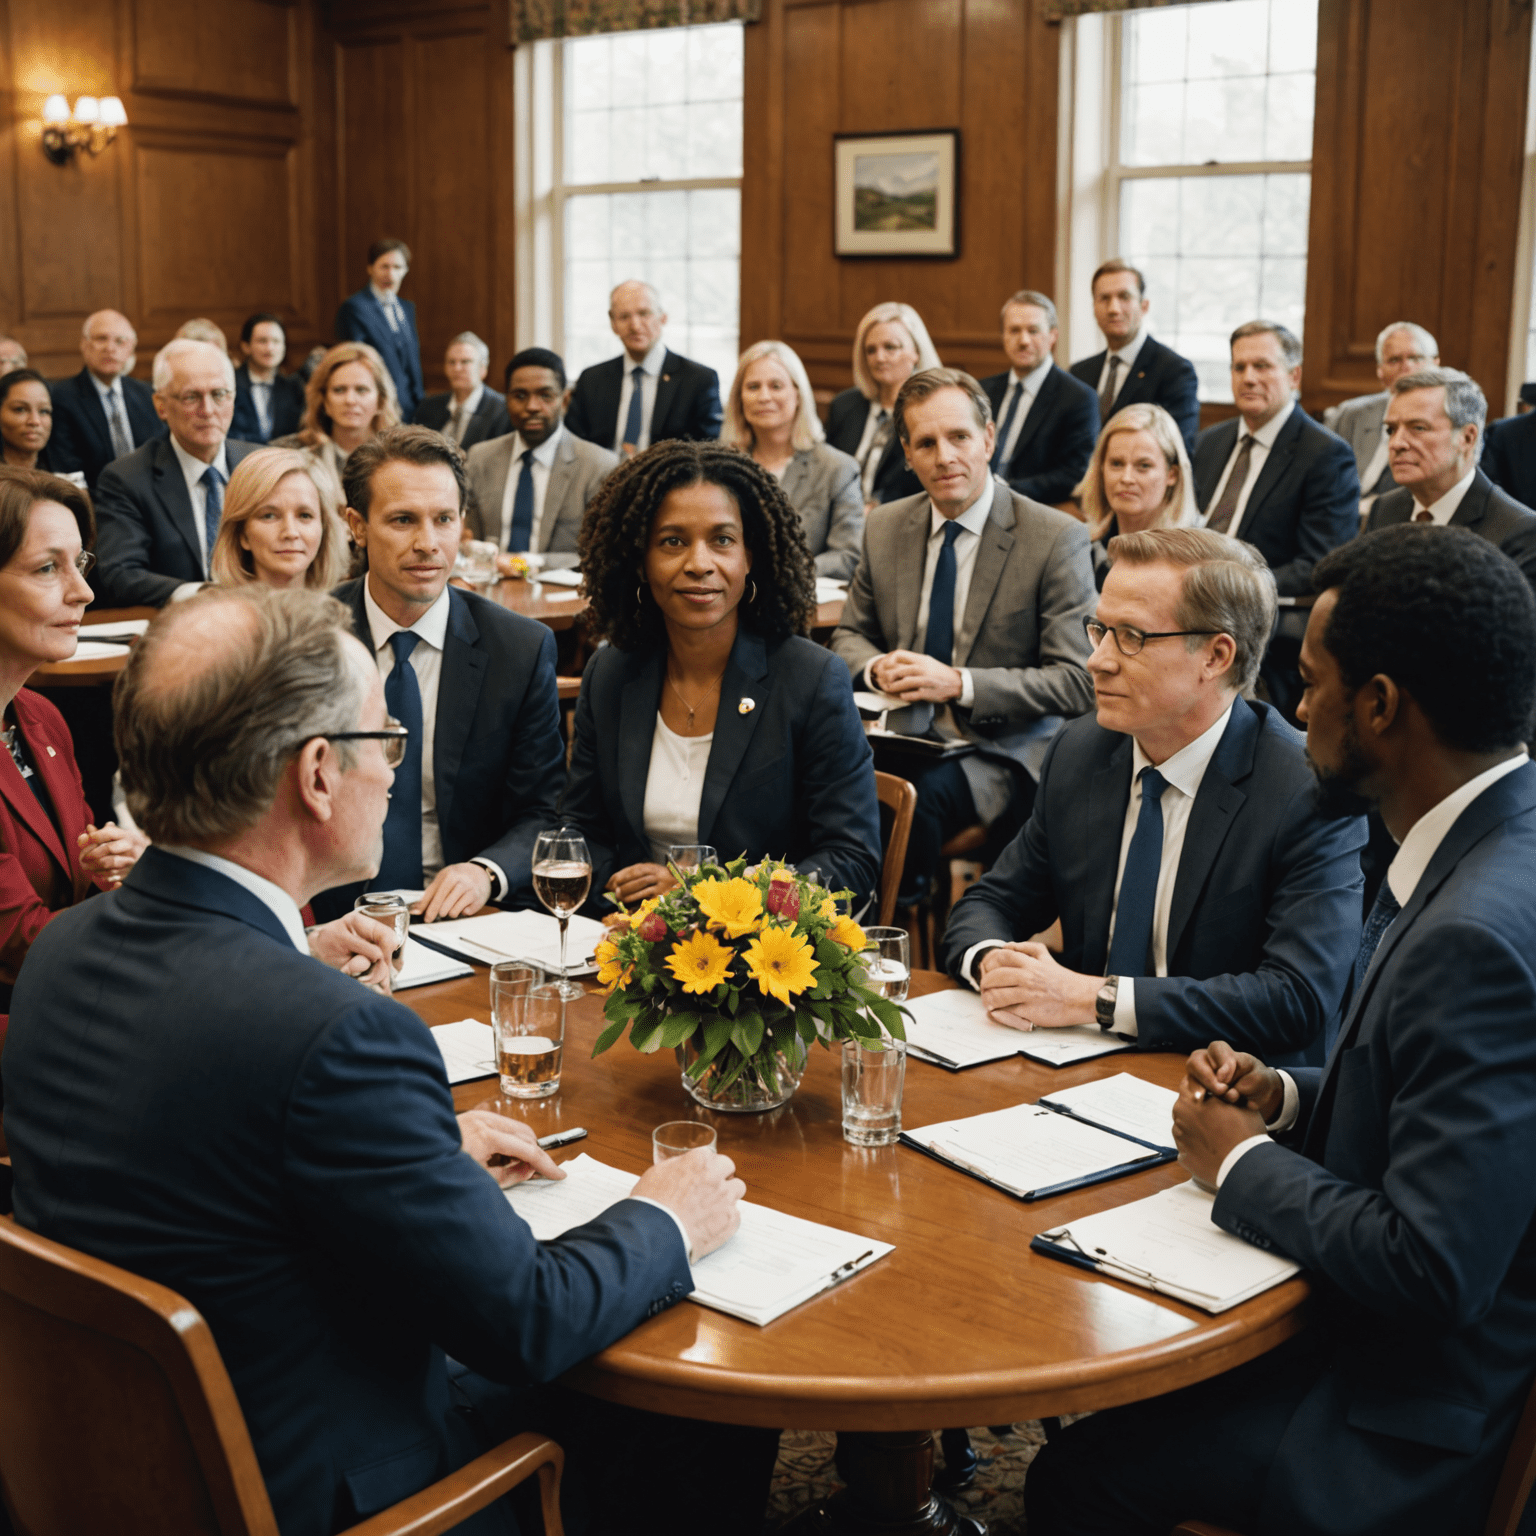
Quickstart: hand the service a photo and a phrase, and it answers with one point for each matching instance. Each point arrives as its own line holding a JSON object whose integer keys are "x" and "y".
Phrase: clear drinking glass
{"x": 528, "y": 1019}
{"x": 677, "y": 1138}
{"x": 691, "y": 856}
{"x": 886, "y": 963}
{"x": 872, "y": 1084}
{"x": 562, "y": 876}
{"x": 393, "y": 912}
{"x": 479, "y": 563}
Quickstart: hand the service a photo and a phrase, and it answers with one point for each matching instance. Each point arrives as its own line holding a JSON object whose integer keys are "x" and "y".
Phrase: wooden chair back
{"x": 899, "y": 796}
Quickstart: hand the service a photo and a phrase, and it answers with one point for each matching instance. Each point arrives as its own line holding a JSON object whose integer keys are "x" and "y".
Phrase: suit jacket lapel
{"x": 1039, "y": 408}
{"x": 794, "y": 473}
{"x": 986, "y": 572}
{"x": 96, "y": 412}
{"x": 666, "y": 391}
{"x": 555, "y": 491}
{"x": 1276, "y": 462}
{"x": 1474, "y": 505}
{"x": 909, "y": 573}
{"x": 171, "y": 487}
{"x": 638, "y": 703}
{"x": 746, "y": 678}
{"x": 27, "y": 807}
{"x": 1108, "y": 795}
{"x": 458, "y": 692}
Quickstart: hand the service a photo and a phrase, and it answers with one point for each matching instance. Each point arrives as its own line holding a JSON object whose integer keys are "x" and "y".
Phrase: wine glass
{"x": 562, "y": 876}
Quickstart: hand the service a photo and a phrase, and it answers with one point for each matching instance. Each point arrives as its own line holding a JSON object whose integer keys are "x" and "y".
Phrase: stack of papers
{"x": 118, "y": 629}
{"x": 93, "y": 650}
{"x": 773, "y": 1263}
{"x": 953, "y": 1029}
{"x": 558, "y": 576}
{"x": 421, "y": 966}
{"x": 469, "y": 1049}
{"x": 829, "y": 590}
{"x": 1126, "y": 1105}
{"x": 1168, "y": 1243}
{"x": 515, "y": 936}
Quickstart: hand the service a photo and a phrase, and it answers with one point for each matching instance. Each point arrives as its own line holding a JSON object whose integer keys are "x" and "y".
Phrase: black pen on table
{"x": 548, "y": 1143}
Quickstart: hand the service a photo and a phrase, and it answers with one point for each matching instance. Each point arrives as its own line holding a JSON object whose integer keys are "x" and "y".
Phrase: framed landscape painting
{"x": 897, "y": 194}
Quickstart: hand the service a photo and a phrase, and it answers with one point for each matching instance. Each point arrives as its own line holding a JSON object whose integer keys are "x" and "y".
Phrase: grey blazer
{"x": 1021, "y": 634}
{"x": 1359, "y": 423}
{"x": 822, "y": 484}
{"x": 579, "y": 468}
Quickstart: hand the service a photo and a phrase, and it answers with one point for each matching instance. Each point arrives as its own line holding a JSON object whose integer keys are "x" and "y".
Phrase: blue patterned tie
{"x": 636, "y": 400}
{"x": 1130, "y": 952}
{"x": 521, "y": 534}
{"x": 1007, "y": 423}
{"x": 213, "y": 510}
{"x": 401, "y": 869}
{"x": 939, "y": 638}
{"x": 1385, "y": 908}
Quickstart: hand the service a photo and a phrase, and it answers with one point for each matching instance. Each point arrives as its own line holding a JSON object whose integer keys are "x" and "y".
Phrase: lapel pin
{"x": 666, "y": 378}
{"x": 51, "y": 752}
{"x": 746, "y": 706}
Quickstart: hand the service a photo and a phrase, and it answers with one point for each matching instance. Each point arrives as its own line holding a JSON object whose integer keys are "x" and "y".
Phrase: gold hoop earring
{"x": 640, "y": 594}
{"x": 752, "y": 596}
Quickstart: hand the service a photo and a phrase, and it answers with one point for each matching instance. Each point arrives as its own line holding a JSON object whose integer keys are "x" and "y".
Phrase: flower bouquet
{"x": 740, "y": 971}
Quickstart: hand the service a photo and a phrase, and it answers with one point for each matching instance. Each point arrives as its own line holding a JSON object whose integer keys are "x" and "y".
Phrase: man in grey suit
{"x": 1434, "y": 426}
{"x": 1401, "y": 348}
{"x": 529, "y": 490}
{"x": 969, "y": 602}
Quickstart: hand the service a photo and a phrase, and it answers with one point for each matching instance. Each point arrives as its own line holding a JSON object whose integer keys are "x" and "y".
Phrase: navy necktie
{"x": 213, "y": 509}
{"x": 1130, "y": 952}
{"x": 1006, "y": 425}
{"x": 1384, "y": 909}
{"x": 636, "y": 401}
{"x": 521, "y": 534}
{"x": 401, "y": 868}
{"x": 939, "y": 638}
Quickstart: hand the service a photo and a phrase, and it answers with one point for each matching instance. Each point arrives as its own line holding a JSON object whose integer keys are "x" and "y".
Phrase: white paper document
{"x": 1168, "y": 1243}
{"x": 953, "y": 1029}
{"x": 422, "y": 966}
{"x": 1072, "y": 1043}
{"x": 1030, "y": 1151}
{"x": 773, "y": 1263}
{"x": 469, "y": 1049}
{"x": 93, "y": 650}
{"x": 559, "y": 576}
{"x": 518, "y": 936}
{"x": 118, "y": 629}
{"x": 829, "y": 590}
{"x": 1122, "y": 1103}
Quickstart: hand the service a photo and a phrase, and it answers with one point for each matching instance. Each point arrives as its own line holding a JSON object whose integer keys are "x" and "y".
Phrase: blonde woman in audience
{"x": 282, "y": 524}
{"x": 205, "y": 330}
{"x": 1138, "y": 478}
{"x": 770, "y": 413}
{"x": 349, "y": 398}
{"x": 890, "y": 345}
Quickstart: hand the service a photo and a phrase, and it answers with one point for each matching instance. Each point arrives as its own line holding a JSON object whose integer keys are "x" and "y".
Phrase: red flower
{"x": 783, "y": 900}
{"x": 653, "y": 928}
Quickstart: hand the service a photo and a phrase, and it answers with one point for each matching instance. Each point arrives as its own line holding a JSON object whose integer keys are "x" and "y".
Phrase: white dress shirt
{"x": 543, "y": 461}
{"x": 1373, "y": 470}
{"x": 1127, "y": 355}
{"x": 282, "y": 906}
{"x": 1030, "y": 383}
{"x": 1403, "y": 875}
{"x": 869, "y": 463}
{"x": 466, "y": 413}
{"x": 109, "y": 393}
{"x": 1442, "y": 511}
{"x": 652, "y": 367}
{"x": 1263, "y": 441}
{"x": 261, "y": 401}
{"x": 674, "y": 786}
{"x": 193, "y": 470}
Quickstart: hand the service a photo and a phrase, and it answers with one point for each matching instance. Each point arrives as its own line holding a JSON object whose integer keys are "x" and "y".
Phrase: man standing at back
{"x": 378, "y": 315}
{"x": 648, "y": 393}
{"x": 101, "y": 413}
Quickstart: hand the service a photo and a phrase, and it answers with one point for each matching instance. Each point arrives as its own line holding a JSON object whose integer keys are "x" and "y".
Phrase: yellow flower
{"x": 645, "y": 908}
{"x": 736, "y": 906}
{"x": 848, "y": 932}
{"x": 780, "y": 963}
{"x": 828, "y": 908}
{"x": 700, "y": 962}
{"x": 609, "y": 966}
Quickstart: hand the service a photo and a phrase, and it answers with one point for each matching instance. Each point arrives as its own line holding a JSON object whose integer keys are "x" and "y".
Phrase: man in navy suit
{"x": 648, "y": 393}
{"x": 268, "y": 402}
{"x": 1221, "y": 902}
{"x": 158, "y": 510}
{"x": 1398, "y": 1176}
{"x": 473, "y": 681}
{"x": 101, "y": 414}
{"x": 1047, "y": 421}
{"x": 1135, "y": 368}
{"x": 467, "y": 411}
{"x": 378, "y": 315}
{"x": 278, "y": 1143}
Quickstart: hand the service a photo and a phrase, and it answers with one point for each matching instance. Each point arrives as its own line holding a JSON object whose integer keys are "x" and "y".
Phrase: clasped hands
{"x": 108, "y": 852}
{"x": 914, "y": 678}
{"x": 1025, "y": 987}
{"x": 1226, "y": 1096}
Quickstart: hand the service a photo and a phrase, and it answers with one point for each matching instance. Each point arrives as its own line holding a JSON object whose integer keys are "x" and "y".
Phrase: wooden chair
{"x": 900, "y": 797}
{"x": 116, "y": 1414}
{"x": 569, "y": 689}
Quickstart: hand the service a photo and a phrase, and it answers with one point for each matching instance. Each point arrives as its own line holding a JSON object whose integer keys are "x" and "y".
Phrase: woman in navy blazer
{"x": 709, "y": 718}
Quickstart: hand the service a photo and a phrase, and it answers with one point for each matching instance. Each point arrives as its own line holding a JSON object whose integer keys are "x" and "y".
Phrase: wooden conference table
{"x": 960, "y": 1325}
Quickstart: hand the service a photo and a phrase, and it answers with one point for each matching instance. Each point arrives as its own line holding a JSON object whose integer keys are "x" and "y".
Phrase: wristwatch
{"x": 1104, "y": 1003}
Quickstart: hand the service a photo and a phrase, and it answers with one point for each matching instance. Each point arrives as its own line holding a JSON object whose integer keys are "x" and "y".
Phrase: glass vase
{"x": 751, "y": 1093}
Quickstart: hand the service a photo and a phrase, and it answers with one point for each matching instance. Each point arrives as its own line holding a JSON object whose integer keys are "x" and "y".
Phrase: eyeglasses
{"x": 83, "y": 562}
{"x": 1129, "y": 640}
{"x": 393, "y": 735}
{"x": 192, "y": 398}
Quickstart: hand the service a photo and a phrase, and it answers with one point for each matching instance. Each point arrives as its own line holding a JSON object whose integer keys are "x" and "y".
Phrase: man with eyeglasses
{"x": 1202, "y": 889}
{"x": 158, "y": 510}
{"x": 529, "y": 490}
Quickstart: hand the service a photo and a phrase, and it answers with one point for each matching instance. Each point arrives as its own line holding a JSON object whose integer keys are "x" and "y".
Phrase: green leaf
{"x": 677, "y": 1029}
{"x": 646, "y": 1035}
{"x": 805, "y": 1023}
{"x": 890, "y": 1015}
{"x": 747, "y": 1032}
{"x": 717, "y": 1035}
{"x": 608, "y": 1036}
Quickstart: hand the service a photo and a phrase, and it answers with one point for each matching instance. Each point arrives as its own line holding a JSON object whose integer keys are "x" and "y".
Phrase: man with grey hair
{"x": 158, "y": 509}
{"x": 12, "y": 355}
{"x": 1047, "y": 421}
{"x": 648, "y": 392}
{"x": 1176, "y": 834}
{"x": 467, "y": 412}
{"x": 1434, "y": 428}
{"x": 101, "y": 413}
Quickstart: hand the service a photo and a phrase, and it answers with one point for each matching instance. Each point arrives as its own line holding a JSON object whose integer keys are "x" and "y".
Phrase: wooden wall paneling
{"x": 236, "y": 50}
{"x": 373, "y": 156}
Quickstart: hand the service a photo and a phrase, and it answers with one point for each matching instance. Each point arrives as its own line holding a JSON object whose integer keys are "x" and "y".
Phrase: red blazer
{"x": 39, "y": 873}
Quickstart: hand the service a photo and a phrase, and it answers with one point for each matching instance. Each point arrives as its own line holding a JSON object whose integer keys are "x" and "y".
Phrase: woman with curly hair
{"x": 709, "y": 718}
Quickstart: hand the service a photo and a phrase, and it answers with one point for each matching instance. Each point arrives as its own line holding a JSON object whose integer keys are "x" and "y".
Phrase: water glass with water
{"x": 886, "y": 962}
{"x": 873, "y": 1076}
{"x": 691, "y": 856}
{"x": 677, "y": 1138}
{"x": 394, "y": 912}
{"x": 528, "y": 1021}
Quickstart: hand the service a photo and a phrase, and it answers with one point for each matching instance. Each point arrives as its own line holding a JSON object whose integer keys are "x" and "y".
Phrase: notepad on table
{"x": 115, "y": 629}
{"x": 469, "y": 1049}
{"x": 1169, "y": 1244}
{"x": 515, "y": 936}
{"x": 773, "y": 1263}
{"x": 1127, "y": 1105}
{"x": 421, "y": 966}
{"x": 953, "y": 1029}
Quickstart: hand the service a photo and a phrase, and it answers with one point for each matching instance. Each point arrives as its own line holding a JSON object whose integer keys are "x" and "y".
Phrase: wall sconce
{"x": 91, "y": 127}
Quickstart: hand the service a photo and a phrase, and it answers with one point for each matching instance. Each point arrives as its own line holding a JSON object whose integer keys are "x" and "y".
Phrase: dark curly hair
{"x": 1448, "y": 617}
{"x": 616, "y": 532}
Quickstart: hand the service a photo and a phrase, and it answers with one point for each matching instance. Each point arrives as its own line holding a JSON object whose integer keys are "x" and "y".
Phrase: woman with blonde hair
{"x": 349, "y": 398}
{"x": 1138, "y": 478}
{"x": 281, "y": 526}
{"x": 890, "y": 345}
{"x": 770, "y": 414}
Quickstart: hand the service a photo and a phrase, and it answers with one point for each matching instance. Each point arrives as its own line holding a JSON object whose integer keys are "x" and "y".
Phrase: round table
{"x": 961, "y": 1324}
{"x": 89, "y": 671}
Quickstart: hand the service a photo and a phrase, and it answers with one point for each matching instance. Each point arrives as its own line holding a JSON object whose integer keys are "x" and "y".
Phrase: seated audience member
{"x": 1509, "y": 452}
{"x": 282, "y": 1141}
{"x": 1135, "y": 368}
{"x": 709, "y": 718}
{"x": 473, "y": 682}
{"x": 26, "y": 420}
{"x": 158, "y": 510}
{"x": 530, "y": 487}
{"x": 1176, "y": 834}
{"x": 649, "y": 392}
{"x": 51, "y": 853}
{"x": 1398, "y": 1176}
{"x": 101, "y": 413}
{"x": 889, "y": 346}
{"x": 1402, "y": 347}
{"x": 281, "y": 525}
{"x": 969, "y": 600}
{"x": 379, "y": 318}
{"x": 268, "y": 403}
{"x": 12, "y": 354}
{"x": 467, "y": 412}
{"x": 1138, "y": 478}
{"x": 770, "y": 413}
{"x": 204, "y": 330}
{"x": 1433, "y": 426}
{"x": 349, "y": 398}
{"x": 1047, "y": 420}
